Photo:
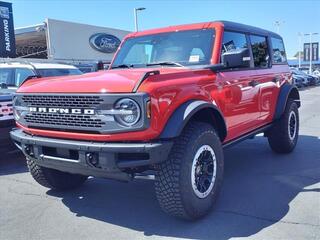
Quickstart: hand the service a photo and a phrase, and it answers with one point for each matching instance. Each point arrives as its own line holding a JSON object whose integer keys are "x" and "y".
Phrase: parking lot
{"x": 264, "y": 196}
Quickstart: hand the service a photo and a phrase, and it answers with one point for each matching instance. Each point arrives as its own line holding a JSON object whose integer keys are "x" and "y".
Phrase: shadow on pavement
{"x": 258, "y": 187}
{"x": 11, "y": 159}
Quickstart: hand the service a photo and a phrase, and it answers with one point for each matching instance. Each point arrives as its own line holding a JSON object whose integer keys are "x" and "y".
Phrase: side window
{"x": 260, "y": 53}
{"x": 235, "y": 50}
{"x": 279, "y": 54}
{"x": 233, "y": 41}
{"x": 22, "y": 74}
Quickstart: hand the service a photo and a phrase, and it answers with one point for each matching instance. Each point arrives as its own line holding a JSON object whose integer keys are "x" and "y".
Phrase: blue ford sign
{"x": 105, "y": 43}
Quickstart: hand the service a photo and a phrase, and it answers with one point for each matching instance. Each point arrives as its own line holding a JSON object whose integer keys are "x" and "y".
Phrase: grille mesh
{"x": 65, "y": 101}
{"x": 71, "y": 120}
{"x": 60, "y": 120}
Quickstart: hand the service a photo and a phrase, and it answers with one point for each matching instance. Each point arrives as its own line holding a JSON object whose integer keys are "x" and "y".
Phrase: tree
{"x": 297, "y": 55}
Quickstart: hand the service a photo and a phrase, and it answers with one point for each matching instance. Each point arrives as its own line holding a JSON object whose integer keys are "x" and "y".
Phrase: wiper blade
{"x": 165, "y": 64}
{"x": 122, "y": 66}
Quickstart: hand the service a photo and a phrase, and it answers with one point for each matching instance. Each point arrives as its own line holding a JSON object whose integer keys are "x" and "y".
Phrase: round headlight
{"x": 128, "y": 112}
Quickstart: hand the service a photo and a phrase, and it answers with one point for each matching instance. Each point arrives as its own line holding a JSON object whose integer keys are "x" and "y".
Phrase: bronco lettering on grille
{"x": 62, "y": 110}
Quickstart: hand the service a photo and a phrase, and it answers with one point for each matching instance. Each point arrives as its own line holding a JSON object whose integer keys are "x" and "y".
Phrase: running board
{"x": 246, "y": 136}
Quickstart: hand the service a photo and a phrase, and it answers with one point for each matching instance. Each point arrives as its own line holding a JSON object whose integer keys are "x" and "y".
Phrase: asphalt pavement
{"x": 264, "y": 196}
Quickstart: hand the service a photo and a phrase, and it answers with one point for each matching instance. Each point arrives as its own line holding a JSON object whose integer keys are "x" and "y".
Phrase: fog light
{"x": 28, "y": 149}
{"x": 92, "y": 159}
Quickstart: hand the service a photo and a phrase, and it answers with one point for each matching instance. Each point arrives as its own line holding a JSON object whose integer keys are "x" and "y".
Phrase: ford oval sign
{"x": 105, "y": 43}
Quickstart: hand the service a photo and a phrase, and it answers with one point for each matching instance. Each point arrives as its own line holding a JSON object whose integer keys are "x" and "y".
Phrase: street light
{"x": 310, "y": 49}
{"x": 135, "y": 10}
{"x": 300, "y": 43}
{"x": 278, "y": 24}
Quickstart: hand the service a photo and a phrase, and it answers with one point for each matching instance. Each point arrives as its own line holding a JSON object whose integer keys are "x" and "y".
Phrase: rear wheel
{"x": 188, "y": 183}
{"x": 284, "y": 134}
{"x": 54, "y": 179}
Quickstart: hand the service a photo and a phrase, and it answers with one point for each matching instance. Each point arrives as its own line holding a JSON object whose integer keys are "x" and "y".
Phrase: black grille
{"x": 70, "y": 120}
{"x": 62, "y": 101}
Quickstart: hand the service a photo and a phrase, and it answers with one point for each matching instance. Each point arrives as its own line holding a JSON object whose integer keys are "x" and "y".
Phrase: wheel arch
{"x": 197, "y": 110}
{"x": 286, "y": 91}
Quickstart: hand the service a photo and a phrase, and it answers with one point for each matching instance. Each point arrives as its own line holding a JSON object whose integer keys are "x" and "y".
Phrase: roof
{"x": 248, "y": 29}
{"x": 36, "y": 65}
{"x": 226, "y": 24}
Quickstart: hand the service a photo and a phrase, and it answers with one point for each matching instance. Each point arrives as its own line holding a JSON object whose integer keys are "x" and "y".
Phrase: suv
{"x": 6, "y": 115}
{"x": 12, "y": 74}
{"x": 172, "y": 100}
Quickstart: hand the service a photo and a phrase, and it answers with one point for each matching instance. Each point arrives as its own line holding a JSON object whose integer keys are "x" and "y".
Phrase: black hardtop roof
{"x": 233, "y": 26}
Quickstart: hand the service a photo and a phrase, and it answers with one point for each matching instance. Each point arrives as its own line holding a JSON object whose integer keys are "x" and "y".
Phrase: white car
{"x": 12, "y": 74}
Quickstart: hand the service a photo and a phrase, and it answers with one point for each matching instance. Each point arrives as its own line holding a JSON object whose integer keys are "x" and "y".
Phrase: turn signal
{"x": 149, "y": 109}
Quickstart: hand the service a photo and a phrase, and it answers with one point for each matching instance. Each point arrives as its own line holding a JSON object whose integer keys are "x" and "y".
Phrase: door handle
{"x": 253, "y": 83}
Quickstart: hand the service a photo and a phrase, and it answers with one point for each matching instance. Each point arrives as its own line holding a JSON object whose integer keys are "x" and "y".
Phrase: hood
{"x": 110, "y": 81}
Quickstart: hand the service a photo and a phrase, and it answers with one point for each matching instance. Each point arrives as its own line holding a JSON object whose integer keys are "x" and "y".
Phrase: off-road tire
{"x": 279, "y": 137}
{"x": 173, "y": 185}
{"x": 54, "y": 179}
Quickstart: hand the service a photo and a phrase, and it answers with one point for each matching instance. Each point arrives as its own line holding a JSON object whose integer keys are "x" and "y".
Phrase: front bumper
{"x": 109, "y": 160}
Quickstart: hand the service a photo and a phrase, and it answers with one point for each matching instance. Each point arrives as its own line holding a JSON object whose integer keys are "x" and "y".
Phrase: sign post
{"x": 311, "y": 51}
{"x": 7, "y": 37}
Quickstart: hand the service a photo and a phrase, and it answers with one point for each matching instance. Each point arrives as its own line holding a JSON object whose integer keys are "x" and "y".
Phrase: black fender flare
{"x": 286, "y": 91}
{"x": 181, "y": 116}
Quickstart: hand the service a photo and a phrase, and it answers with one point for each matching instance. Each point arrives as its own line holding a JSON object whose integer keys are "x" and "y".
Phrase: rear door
{"x": 272, "y": 69}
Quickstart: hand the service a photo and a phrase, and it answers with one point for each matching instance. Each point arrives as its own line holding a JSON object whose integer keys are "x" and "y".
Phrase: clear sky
{"x": 296, "y": 15}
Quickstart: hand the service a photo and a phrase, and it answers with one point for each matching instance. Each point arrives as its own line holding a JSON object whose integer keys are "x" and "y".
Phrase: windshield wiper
{"x": 165, "y": 64}
{"x": 122, "y": 66}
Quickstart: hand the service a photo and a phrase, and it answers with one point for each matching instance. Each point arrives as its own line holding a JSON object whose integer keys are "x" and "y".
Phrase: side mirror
{"x": 236, "y": 58}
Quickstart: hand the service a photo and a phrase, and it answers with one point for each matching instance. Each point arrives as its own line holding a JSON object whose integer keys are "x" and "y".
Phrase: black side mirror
{"x": 236, "y": 58}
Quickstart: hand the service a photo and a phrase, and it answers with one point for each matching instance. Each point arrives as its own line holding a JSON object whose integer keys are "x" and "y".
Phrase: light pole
{"x": 135, "y": 10}
{"x": 300, "y": 43}
{"x": 310, "y": 49}
{"x": 278, "y": 24}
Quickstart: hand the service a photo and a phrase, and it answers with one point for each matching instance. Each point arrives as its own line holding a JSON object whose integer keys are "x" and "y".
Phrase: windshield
{"x": 51, "y": 72}
{"x": 185, "y": 48}
{"x": 7, "y": 76}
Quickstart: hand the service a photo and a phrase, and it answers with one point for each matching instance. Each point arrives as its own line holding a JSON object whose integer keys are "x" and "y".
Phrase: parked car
{"x": 307, "y": 79}
{"x": 171, "y": 101}
{"x": 317, "y": 72}
{"x": 12, "y": 74}
{"x": 6, "y": 115}
{"x": 298, "y": 81}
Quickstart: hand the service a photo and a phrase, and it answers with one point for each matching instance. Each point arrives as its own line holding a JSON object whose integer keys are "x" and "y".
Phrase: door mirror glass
{"x": 236, "y": 58}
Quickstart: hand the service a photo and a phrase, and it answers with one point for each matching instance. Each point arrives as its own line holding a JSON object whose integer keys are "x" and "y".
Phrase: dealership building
{"x": 68, "y": 42}
{"x": 59, "y": 41}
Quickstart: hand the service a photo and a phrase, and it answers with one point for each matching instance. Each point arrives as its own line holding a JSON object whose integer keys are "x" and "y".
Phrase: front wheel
{"x": 188, "y": 183}
{"x": 54, "y": 179}
{"x": 283, "y": 136}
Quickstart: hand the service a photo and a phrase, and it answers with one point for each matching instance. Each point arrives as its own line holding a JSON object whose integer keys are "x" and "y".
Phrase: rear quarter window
{"x": 278, "y": 51}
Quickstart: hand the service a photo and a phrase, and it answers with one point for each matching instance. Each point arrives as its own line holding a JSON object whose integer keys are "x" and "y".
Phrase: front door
{"x": 238, "y": 91}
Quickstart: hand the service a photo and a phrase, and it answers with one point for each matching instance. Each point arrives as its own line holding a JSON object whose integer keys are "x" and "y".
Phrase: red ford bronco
{"x": 171, "y": 101}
